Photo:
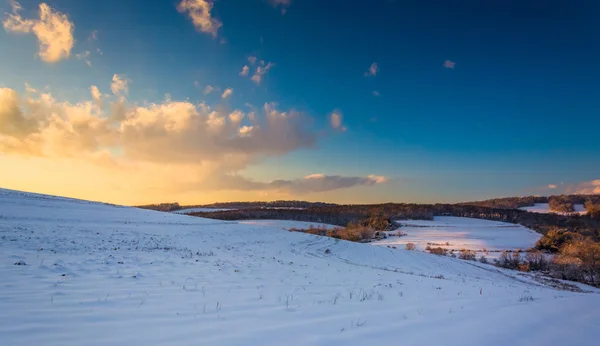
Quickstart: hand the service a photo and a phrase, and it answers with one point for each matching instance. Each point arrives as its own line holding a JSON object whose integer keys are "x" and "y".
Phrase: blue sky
{"x": 517, "y": 112}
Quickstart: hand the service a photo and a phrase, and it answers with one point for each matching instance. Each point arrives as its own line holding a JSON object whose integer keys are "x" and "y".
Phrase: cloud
{"x": 199, "y": 13}
{"x": 376, "y": 93}
{"x": 96, "y": 95}
{"x": 119, "y": 85}
{"x": 552, "y": 186}
{"x": 449, "y": 64}
{"x": 313, "y": 183}
{"x": 85, "y": 56}
{"x": 335, "y": 119}
{"x": 53, "y": 30}
{"x": 372, "y": 71}
{"x": 93, "y": 35}
{"x": 208, "y": 89}
{"x": 170, "y": 131}
{"x": 245, "y": 71}
{"x": 252, "y": 60}
{"x": 260, "y": 72}
{"x": 228, "y": 92}
{"x": 283, "y": 4}
{"x": 588, "y": 187}
{"x": 164, "y": 149}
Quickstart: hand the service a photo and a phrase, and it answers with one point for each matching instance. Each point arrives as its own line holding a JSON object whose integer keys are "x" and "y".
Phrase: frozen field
{"x": 97, "y": 274}
{"x": 455, "y": 233}
{"x": 545, "y": 208}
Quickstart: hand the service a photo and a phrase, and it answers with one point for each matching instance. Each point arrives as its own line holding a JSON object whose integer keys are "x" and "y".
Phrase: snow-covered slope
{"x": 545, "y": 208}
{"x": 96, "y": 274}
{"x": 456, "y": 233}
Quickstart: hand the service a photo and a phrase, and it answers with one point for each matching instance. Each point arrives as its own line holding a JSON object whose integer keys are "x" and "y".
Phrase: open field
{"x": 76, "y": 272}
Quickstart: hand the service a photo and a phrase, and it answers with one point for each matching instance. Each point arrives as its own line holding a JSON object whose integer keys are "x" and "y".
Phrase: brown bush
{"x": 366, "y": 233}
{"x": 536, "y": 260}
{"x": 438, "y": 251}
{"x": 410, "y": 246}
{"x": 524, "y": 267}
{"x": 467, "y": 255}
{"x": 580, "y": 260}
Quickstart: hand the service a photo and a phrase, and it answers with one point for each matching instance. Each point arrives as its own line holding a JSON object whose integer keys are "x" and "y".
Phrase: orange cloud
{"x": 199, "y": 12}
{"x": 53, "y": 30}
{"x": 167, "y": 149}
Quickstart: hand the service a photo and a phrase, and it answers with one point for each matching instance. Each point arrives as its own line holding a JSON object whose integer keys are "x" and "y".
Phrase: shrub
{"x": 507, "y": 260}
{"x": 536, "y": 260}
{"x": 366, "y": 233}
{"x": 467, "y": 255}
{"x": 483, "y": 259}
{"x": 554, "y": 239}
{"x": 410, "y": 246}
{"x": 438, "y": 251}
{"x": 580, "y": 260}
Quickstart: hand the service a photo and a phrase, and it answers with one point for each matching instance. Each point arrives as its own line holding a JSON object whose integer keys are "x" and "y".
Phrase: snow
{"x": 286, "y": 224}
{"x": 198, "y": 210}
{"x": 544, "y": 208}
{"x": 456, "y": 233}
{"x": 97, "y": 274}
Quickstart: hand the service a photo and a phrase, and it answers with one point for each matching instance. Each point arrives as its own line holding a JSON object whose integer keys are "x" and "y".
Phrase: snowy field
{"x": 97, "y": 274}
{"x": 544, "y": 208}
{"x": 198, "y": 210}
{"x": 456, "y": 233}
{"x": 285, "y": 224}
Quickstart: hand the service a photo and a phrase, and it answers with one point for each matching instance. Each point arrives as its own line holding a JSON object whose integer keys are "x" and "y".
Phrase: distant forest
{"x": 237, "y": 205}
{"x": 574, "y": 238}
{"x": 382, "y": 216}
{"x": 558, "y": 203}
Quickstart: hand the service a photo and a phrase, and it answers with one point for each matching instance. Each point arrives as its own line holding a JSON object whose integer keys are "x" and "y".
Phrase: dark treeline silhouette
{"x": 273, "y": 204}
{"x": 237, "y": 205}
{"x": 558, "y": 203}
{"x": 161, "y": 207}
{"x": 341, "y": 215}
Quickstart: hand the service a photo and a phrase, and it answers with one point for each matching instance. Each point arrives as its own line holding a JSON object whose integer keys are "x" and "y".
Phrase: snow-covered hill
{"x": 97, "y": 274}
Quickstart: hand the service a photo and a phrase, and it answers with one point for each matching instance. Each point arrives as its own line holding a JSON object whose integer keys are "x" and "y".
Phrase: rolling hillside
{"x": 77, "y": 272}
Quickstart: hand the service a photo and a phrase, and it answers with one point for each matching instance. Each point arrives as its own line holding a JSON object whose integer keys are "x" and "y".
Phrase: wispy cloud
{"x": 588, "y": 187}
{"x": 376, "y": 93}
{"x": 85, "y": 56}
{"x": 93, "y": 35}
{"x": 373, "y": 70}
{"x": 283, "y": 4}
{"x": 313, "y": 183}
{"x": 335, "y": 119}
{"x": 261, "y": 71}
{"x": 96, "y": 95}
{"x": 199, "y": 12}
{"x": 449, "y": 64}
{"x": 245, "y": 71}
{"x": 552, "y": 186}
{"x": 252, "y": 60}
{"x": 119, "y": 85}
{"x": 208, "y": 89}
{"x": 53, "y": 30}
{"x": 228, "y": 92}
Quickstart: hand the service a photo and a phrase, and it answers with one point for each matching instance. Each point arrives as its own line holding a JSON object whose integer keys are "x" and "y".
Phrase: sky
{"x": 199, "y": 101}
